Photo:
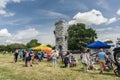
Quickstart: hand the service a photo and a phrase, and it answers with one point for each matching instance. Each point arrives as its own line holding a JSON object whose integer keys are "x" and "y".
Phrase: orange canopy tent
{"x": 43, "y": 48}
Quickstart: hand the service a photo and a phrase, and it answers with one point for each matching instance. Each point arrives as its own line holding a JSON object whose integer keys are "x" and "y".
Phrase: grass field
{"x": 44, "y": 71}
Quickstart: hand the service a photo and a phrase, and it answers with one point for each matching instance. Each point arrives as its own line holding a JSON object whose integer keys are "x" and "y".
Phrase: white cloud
{"x": 2, "y": 12}
{"x": 111, "y": 20}
{"x": 73, "y": 22}
{"x": 4, "y": 33}
{"x": 26, "y": 34}
{"x": 3, "y": 4}
{"x": 110, "y": 33}
{"x": 22, "y": 36}
{"x": 47, "y": 39}
{"x": 5, "y": 13}
{"x": 118, "y": 12}
{"x": 12, "y": 41}
{"x": 91, "y": 17}
{"x": 104, "y": 37}
{"x": 104, "y": 29}
{"x": 9, "y": 14}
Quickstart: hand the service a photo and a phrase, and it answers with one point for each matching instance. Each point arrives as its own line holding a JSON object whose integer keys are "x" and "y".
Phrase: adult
{"x": 110, "y": 61}
{"x": 66, "y": 59}
{"x": 36, "y": 57}
{"x": 85, "y": 60}
{"x": 28, "y": 57}
{"x": 16, "y": 56}
{"x": 21, "y": 54}
{"x": 40, "y": 55}
{"x": 24, "y": 55}
{"x": 102, "y": 57}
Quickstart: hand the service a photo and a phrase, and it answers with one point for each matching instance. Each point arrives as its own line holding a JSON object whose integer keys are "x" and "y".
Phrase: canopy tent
{"x": 98, "y": 44}
{"x": 43, "y": 48}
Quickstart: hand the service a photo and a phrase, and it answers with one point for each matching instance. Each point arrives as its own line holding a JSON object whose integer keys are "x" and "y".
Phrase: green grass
{"x": 44, "y": 71}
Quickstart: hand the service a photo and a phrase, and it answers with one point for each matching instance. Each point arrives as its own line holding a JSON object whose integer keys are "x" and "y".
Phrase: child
{"x": 91, "y": 66}
{"x": 85, "y": 60}
{"x": 73, "y": 62}
{"x": 54, "y": 58}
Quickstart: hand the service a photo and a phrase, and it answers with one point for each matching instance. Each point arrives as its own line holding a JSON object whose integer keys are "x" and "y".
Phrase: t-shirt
{"x": 27, "y": 54}
{"x": 21, "y": 53}
{"x": 66, "y": 59}
{"x": 102, "y": 55}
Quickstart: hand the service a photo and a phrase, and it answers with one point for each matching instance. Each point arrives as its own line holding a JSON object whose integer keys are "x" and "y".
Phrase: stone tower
{"x": 61, "y": 36}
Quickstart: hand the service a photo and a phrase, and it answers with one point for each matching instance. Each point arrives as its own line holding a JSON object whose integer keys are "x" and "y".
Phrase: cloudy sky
{"x": 23, "y": 20}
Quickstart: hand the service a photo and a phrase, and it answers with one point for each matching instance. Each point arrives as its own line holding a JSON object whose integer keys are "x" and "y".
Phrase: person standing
{"x": 67, "y": 59}
{"x": 16, "y": 55}
{"x": 40, "y": 55}
{"x": 85, "y": 60}
{"x": 28, "y": 58}
{"x": 102, "y": 58}
{"x": 21, "y": 54}
{"x": 24, "y": 53}
{"x": 54, "y": 58}
{"x": 110, "y": 61}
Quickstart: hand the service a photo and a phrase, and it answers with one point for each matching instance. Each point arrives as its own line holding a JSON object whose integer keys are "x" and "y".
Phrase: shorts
{"x": 102, "y": 63}
{"x": 28, "y": 58}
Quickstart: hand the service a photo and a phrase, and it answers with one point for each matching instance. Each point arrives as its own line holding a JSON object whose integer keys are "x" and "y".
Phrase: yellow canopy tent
{"x": 43, "y": 48}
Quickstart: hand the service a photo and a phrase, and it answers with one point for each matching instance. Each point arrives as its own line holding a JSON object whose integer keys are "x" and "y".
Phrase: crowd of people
{"x": 28, "y": 56}
{"x": 105, "y": 59}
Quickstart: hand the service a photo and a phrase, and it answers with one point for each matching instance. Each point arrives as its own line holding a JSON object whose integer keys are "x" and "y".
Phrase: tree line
{"x": 12, "y": 47}
{"x": 79, "y": 36}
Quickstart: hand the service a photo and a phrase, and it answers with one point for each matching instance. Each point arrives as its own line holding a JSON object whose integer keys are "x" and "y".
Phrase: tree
{"x": 2, "y": 47}
{"x": 109, "y": 41}
{"x": 53, "y": 47}
{"x": 32, "y": 43}
{"x": 14, "y": 46}
{"x": 79, "y": 36}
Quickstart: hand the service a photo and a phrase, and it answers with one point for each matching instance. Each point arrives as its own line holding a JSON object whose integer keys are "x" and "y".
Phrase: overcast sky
{"x": 23, "y": 20}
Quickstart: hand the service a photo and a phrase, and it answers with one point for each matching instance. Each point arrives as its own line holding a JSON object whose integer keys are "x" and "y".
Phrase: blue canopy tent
{"x": 98, "y": 44}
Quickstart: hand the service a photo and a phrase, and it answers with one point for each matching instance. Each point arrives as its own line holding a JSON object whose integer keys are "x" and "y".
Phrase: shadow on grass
{"x": 78, "y": 70}
{"x": 110, "y": 74}
{"x": 95, "y": 72}
{"x": 106, "y": 73}
{"x": 63, "y": 67}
